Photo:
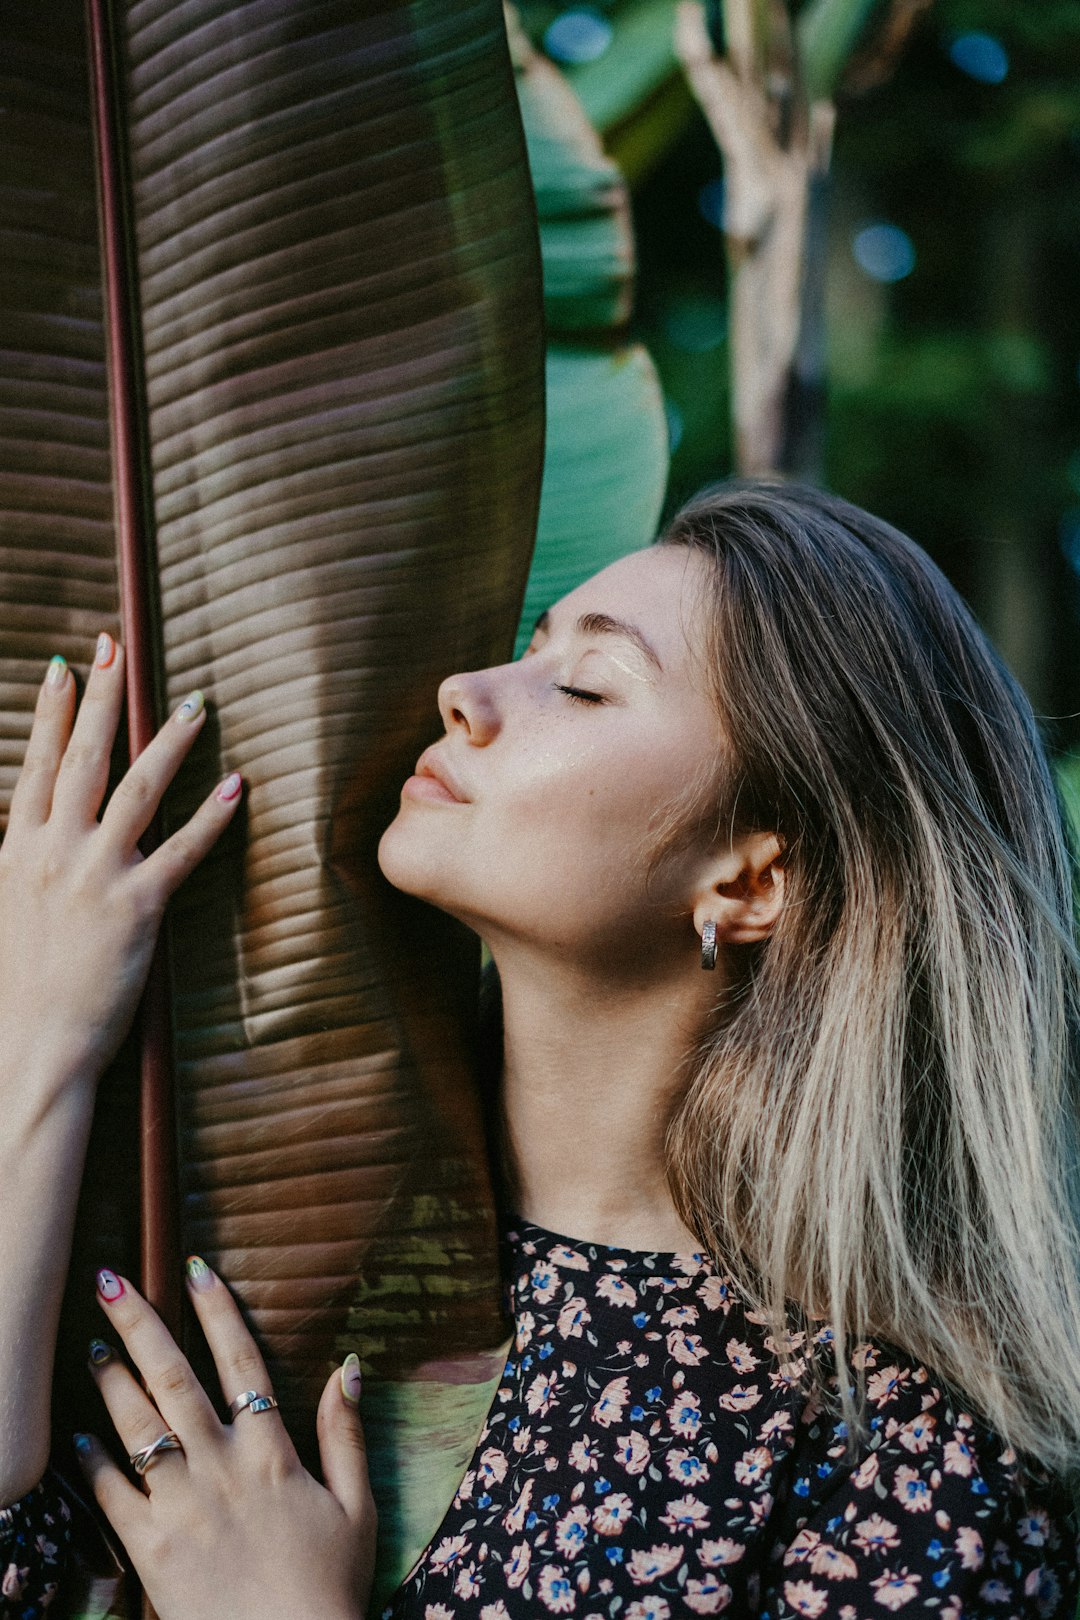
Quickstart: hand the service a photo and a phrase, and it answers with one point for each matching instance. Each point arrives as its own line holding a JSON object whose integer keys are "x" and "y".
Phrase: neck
{"x": 591, "y": 1074}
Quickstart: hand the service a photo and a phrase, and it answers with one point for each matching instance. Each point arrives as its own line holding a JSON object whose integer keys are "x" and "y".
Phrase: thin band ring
{"x": 251, "y": 1401}
{"x": 141, "y": 1460}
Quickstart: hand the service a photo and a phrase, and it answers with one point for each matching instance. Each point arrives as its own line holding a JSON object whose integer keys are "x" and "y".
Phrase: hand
{"x": 232, "y": 1527}
{"x": 80, "y": 907}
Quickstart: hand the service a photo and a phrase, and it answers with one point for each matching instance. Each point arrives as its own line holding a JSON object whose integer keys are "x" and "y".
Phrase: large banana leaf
{"x": 607, "y": 458}
{"x": 335, "y": 338}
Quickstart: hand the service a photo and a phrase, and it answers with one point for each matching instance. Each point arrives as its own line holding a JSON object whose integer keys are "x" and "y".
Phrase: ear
{"x": 743, "y": 890}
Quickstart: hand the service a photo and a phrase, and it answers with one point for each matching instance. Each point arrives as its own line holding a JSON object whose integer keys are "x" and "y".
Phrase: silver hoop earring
{"x": 708, "y": 946}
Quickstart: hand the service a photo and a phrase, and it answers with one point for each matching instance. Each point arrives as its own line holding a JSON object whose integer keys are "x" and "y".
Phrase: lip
{"x": 433, "y": 781}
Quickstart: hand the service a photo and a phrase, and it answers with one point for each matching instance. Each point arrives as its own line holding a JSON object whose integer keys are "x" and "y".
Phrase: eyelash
{"x": 576, "y": 695}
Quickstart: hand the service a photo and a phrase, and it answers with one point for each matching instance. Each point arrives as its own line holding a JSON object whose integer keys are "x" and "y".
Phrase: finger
{"x": 171, "y": 1385}
{"x": 32, "y": 798}
{"x": 170, "y": 864}
{"x": 122, "y": 1503}
{"x": 84, "y": 769}
{"x": 135, "y": 802}
{"x": 137, "y": 1420}
{"x": 237, "y": 1357}
{"x": 342, "y": 1447}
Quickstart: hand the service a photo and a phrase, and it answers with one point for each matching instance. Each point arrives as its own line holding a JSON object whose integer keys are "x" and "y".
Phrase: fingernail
{"x": 199, "y": 1274}
{"x": 191, "y": 706}
{"x": 231, "y": 786}
{"x": 351, "y": 1380}
{"x": 82, "y": 1444}
{"x": 109, "y": 1285}
{"x": 106, "y": 651}
{"x": 100, "y": 1352}
{"x": 57, "y": 671}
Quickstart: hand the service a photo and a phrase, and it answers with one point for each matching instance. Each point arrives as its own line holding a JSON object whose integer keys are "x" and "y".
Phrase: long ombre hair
{"x": 882, "y": 1127}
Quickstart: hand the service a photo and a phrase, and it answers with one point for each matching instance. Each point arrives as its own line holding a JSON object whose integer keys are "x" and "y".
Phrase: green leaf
{"x": 827, "y": 32}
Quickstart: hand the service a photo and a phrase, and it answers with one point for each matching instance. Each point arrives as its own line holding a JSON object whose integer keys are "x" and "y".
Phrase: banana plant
{"x": 271, "y": 408}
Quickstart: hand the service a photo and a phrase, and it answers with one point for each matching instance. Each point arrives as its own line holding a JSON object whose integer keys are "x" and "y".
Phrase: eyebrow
{"x": 602, "y": 624}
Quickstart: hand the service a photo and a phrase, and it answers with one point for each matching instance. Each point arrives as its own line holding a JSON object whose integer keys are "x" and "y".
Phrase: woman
{"x": 792, "y": 1245}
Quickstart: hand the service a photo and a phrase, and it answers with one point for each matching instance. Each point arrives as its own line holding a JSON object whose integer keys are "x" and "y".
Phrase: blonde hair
{"x": 882, "y": 1126}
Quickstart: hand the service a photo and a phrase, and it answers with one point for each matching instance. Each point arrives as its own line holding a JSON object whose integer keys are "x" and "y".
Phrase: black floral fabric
{"x": 35, "y": 1535}
{"x": 649, "y": 1455}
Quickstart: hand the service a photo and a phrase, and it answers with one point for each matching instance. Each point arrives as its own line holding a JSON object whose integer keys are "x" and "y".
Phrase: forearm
{"x": 42, "y": 1149}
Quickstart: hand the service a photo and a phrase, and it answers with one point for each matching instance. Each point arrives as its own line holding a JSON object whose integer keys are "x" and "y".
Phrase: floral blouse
{"x": 647, "y": 1457}
{"x": 35, "y": 1533}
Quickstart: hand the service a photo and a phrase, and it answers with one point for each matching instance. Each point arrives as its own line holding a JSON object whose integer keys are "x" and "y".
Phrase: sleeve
{"x": 56, "y": 1560}
{"x": 936, "y": 1515}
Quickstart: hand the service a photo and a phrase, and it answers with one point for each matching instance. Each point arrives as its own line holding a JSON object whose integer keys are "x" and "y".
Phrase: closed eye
{"x": 576, "y": 695}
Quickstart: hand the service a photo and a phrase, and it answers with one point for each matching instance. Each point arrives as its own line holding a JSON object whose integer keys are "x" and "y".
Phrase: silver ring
{"x": 251, "y": 1401}
{"x": 708, "y": 946}
{"x": 141, "y": 1460}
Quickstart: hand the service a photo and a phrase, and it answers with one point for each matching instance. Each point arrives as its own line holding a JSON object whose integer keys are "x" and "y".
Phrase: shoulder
{"x": 932, "y": 1511}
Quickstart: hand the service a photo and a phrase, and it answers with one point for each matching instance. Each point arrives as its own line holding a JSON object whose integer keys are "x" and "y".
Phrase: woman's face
{"x": 536, "y": 816}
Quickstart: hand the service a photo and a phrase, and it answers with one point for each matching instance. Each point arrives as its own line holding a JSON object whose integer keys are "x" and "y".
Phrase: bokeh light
{"x": 980, "y": 56}
{"x": 695, "y": 323}
{"x": 675, "y": 425}
{"x": 580, "y": 35}
{"x": 1069, "y": 533}
{"x": 711, "y": 202}
{"x": 883, "y": 252}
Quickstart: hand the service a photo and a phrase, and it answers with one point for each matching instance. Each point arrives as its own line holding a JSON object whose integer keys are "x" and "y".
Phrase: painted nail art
{"x": 191, "y": 706}
{"x": 351, "y": 1380}
{"x": 82, "y": 1443}
{"x": 106, "y": 651}
{"x": 100, "y": 1352}
{"x": 109, "y": 1285}
{"x": 199, "y": 1274}
{"x": 228, "y": 790}
{"x": 56, "y": 671}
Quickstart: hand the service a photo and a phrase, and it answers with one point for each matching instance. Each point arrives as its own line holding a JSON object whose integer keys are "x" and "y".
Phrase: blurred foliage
{"x": 954, "y": 392}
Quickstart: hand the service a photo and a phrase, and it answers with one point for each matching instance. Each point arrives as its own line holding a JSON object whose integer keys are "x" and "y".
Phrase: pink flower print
{"x": 569, "y": 1259}
{"x": 540, "y": 1395}
{"x": 886, "y": 1385}
{"x": 612, "y": 1514}
{"x": 753, "y": 1465}
{"x": 866, "y": 1473}
{"x": 495, "y": 1611}
{"x": 14, "y": 1581}
{"x": 450, "y": 1551}
{"x": 493, "y": 1465}
{"x": 633, "y": 1451}
{"x": 894, "y": 1590}
{"x": 917, "y": 1435}
{"x": 685, "y": 1468}
{"x": 438, "y": 1611}
{"x": 652, "y": 1607}
{"x": 721, "y": 1551}
{"x": 526, "y": 1322}
{"x": 959, "y": 1457}
{"x": 545, "y": 1282}
{"x": 969, "y": 1547}
{"x": 680, "y": 1316}
{"x": 686, "y": 1347}
{"x": 616, "y": 1290}
{"x": 646, "y": 1567}
{"x": 707, "y": 1596}
{"x": 572, "y": 1318}
{"x": 571, "y": 1531}
{"x": 687, "y": 1514}
{"x": 613, "y": 1397}
{"x": 465, "y": 1489}
{"x": 805, "y": 1598}
{"x": 776, "y": 1423}
{"x": 522, "y": 1439}
{"x": 912, "y": 1492}
{"x": 740, "y": 1398}
{"x": 835, "y": 1565}
{"x": 556, "y": 1592}
{"x": 1044, "y": 1587}
{"x": 741, "y": 1356}
{"x": 864, "y": 1355}
{"x": 684, "y": 1415}
{"x": 876, "y": 1534}
{"x": 514, "y": 1518}
{"x": 1034, "y": 1528}
{"x": 761, "y": 1507}
{"x": 716, "y": 1294}
{"x": 788, "y": 1375}
{"x": 466, "y": 1585}
{"x": 802, "y": 1546}
{"x": 518, "y": 1567}
{"x": 585, "y": 1455}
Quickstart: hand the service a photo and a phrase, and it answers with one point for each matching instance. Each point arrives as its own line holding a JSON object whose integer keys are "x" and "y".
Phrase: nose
{"x": 466, "y": 703}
